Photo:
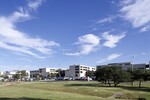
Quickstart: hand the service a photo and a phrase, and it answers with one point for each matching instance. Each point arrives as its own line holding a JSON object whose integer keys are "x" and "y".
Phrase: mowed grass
{"x": 71, "y": 90}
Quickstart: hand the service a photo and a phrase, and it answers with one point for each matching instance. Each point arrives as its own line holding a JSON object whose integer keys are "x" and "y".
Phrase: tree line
{"x": 114, "y": 75}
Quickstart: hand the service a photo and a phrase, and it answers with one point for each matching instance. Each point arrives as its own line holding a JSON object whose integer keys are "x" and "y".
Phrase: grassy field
{"x": 71, "y": 90}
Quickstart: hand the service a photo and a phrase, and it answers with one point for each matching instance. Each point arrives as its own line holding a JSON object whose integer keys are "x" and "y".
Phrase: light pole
{"x": 132, "y": 62}
{"x": 59, "y": 70}
{"x": 79, "y": 56}
{"x": 132, "y": 68}
{"x": 149, "y": 65}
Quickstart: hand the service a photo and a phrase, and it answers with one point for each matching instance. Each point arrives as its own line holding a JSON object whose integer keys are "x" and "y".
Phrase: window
{"x": 76, "y": 75}
{"x": 40, "y": 70}
{"x": 76, "y": 66}
{"x": 76, "y": 71}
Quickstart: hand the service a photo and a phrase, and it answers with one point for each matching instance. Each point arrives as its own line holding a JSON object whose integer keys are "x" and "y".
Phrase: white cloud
{"x": 109, "y": 58}
{"x": 13, "y": 39}
{"x": 107, "y": 19}
{"x": 88, "y": 43}
{"x": 23, "y": 13}
{"x": 32, "y": 5}
{"x": 137, "y": 12}
{"x": 145, "y": 28}
{"x": 125, "y": 2}
{"x": 112, "y": 40}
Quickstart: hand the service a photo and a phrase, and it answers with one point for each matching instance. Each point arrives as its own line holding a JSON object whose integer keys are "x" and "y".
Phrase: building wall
{"x": 44, "y": 72}
{"x": 1, "y": 73}
{"x": 34, "y": 73}
{"x": 78, "y": 71}
{"x": 10, "y": 73}
{"x": 125, "y": 65}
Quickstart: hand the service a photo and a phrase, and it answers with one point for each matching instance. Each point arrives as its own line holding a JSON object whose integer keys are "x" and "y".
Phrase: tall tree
{"x": 23, "y": 74}
{"x": 104, "y": 75}
{"x": 112, "y": 73}
{"x": 141, "y": 75}
{"x": 16, "y": 76}
{"x": 90, "y": 73}
{"x": 119, "y": 75}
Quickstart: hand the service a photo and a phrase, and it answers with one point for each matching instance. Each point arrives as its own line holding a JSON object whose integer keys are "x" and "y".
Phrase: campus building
{"x": 75, "y": 71}
{"x": 11, "y": 73}
{"x": 1, "y": 73}
{"x": 34, "y": 73}
{"x": 44, "y": 72}
{"x": 27, "y": 72}
{"x": 126, "y": 66}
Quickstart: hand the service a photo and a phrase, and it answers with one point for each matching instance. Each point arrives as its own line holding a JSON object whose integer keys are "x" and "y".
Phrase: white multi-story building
{"x": 75, "y": 71}
{"x": 47, "y": 71}
{"x": 1, "y": 73}
{"x": 11, "y": 73}
{"x": 34, "y": 73}
{"x": 44, "y": 72}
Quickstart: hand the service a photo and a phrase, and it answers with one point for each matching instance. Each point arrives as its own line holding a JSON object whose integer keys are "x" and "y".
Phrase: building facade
{"x": 43, "y": 72}
{"x": 1, "y": 73}
{"x": 76, "y": 71}
{"x": 11, "y": 73}
{"x": 27, "y": 73}
{"x": 34, "y": 73}
{"x": 126, "y": 66}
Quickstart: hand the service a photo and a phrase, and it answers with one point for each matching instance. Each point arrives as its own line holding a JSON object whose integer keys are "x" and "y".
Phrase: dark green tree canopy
{"x": 112, "y": 73}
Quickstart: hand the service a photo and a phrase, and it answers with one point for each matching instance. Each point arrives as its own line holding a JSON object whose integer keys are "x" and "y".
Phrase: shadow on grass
{"x": 24, "y": 98}
{"x": 145, "y": 89}
{"x": 89, "y": 85}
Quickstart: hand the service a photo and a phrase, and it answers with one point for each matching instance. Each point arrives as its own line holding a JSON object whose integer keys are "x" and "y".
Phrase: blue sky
{"x": 59, "y": 33}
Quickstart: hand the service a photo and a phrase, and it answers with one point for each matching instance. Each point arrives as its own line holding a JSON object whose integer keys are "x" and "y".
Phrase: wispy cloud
{"x": 136, "y": 12}
{"x": 88, "y": 43}
{"x": 23, "y": 13}
{"x": 13, "y": 39}
{"x": 145, "y": 53}
{"x": 112, "y": 40}
{"x": 109, "y": 58}
{"x": 32, "y": 5}
{"x": 126, "y": 2}
{"x": 107, "y": 19}
{"x": 145, "y": 28}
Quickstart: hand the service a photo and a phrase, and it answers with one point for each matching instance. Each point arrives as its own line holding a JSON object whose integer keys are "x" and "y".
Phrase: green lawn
{"x": 71, "y": 90}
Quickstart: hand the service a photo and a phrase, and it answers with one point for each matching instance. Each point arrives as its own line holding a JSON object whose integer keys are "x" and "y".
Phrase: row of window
{"x": 34, "y": 71}
{"x": 78, "y": 72}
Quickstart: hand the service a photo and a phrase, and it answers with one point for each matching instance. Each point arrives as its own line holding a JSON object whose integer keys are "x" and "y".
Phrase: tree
{"x": 147, "y": 75}
{"x": 6, "y": 77}
{"x": 119, "y": 75}
{"x": 141, "y": 75}
{"x": 114, "y": 74}
{"x": 90, "y": 73}
{"x": 50, "y": 75}
{"x": 16, "y": 76}
{"x": 23, "y": 74}
{"x": 104, "y": 75}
